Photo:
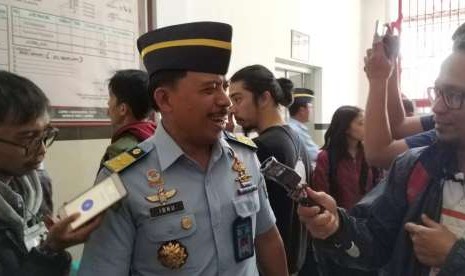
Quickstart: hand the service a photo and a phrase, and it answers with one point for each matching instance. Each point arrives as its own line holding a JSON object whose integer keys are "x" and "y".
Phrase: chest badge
{"x": 243, "y": 178}
{"x": 162, "y": 196}
{"x": 172, "y": 254}
{"x": 156, "y": 181}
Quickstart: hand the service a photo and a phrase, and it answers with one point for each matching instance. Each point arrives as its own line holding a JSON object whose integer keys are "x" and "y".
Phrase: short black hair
{"x": 163, "y": 78}
{"x": 130, "y": 87}
{"x": 294, "y": 108}
{"x": 21, "y": 101}
{"x": 258, "y": 79}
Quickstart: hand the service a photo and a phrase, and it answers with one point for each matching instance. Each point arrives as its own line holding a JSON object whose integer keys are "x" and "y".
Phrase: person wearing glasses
{"x": 416, "y": 224}
{"x": 30, "y": 243}
{"x": 395, "y": 131}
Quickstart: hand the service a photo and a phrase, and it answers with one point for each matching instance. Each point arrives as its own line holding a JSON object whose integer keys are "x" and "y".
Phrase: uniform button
{"x": 186, "y": 223}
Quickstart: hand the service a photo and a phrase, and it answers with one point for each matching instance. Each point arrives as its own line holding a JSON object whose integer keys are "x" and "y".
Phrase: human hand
{"x": 377, "y": 65}
{"x": 321, "y": 225}
{"x": 432, "y": 241}
{"x": 61, "y": 236}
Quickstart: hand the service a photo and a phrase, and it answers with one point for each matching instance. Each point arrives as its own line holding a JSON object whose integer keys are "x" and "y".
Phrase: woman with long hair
{"x": 341, "y": 169}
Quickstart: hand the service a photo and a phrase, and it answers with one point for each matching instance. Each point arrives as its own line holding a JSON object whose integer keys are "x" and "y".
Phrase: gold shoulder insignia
{"x": 125, "y": 159}
{"x": 240, "y": 139}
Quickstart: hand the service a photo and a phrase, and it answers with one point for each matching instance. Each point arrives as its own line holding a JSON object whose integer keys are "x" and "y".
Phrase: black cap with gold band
{"x": 200, "y": 47}
{"x": 302, "y": 96}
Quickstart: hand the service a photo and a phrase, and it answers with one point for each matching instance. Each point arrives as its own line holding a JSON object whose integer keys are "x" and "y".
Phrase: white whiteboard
{"x": 70, "y": 48}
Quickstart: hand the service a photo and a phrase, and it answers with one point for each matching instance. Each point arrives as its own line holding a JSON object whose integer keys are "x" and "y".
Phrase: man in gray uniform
{"x": 197, "y": 203}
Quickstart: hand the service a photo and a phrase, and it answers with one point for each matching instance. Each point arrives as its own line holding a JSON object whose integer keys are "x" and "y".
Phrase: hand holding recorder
{"x": 287, "y": 178}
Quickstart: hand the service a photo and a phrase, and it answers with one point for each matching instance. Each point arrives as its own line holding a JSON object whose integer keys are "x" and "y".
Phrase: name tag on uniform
{"x": 243, "y": 238}
{"x": 166, "y": 209}
{"x": 246, "y": 190}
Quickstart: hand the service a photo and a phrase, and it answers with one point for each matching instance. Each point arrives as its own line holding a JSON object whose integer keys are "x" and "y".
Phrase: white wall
{"x": 371, "y": 10}
{"x": 73, "y": 166}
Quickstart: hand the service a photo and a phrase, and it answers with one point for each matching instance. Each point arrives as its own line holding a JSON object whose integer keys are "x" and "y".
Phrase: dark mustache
{"x": 223, "y": 112}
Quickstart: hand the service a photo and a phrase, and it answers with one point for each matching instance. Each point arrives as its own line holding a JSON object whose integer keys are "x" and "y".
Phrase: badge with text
{"x": 243, "y": 238}
{"x": 166, "y": 209}
{"x": 172, "y": 254}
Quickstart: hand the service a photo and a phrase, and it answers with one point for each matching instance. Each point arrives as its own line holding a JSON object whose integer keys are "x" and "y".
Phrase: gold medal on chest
{"x": 242, "y": 177}
{"x": 172, "y": 254}
{"x": 156, "y": 181}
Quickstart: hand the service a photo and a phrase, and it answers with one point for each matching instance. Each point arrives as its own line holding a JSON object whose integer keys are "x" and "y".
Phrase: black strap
{"x": 298, "y": 148}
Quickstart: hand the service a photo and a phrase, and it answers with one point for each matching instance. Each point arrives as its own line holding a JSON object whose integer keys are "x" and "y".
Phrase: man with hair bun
{"x": 257, "y": 98}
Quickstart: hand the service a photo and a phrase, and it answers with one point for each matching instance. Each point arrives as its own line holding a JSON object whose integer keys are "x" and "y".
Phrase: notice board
{"x": 70, "y": 48}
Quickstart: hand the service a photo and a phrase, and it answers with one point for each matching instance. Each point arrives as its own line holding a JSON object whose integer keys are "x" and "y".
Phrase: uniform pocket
{"x": 247, "y": 205}
{"x": 170, "y": 228}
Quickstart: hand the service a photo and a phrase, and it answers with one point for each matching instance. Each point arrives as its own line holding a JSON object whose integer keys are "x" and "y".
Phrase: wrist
{"x": 378, "y": 81}
{"x": 45, "y": 249}
{"x": 50, "y": 246}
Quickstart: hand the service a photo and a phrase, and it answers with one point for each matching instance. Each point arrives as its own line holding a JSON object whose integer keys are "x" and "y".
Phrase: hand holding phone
{"x": 94, "y": 201}
{"x": 61, "y": 235}
{"x": 385, "y": 34}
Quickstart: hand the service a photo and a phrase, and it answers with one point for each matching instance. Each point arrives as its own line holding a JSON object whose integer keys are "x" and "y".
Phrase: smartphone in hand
{"x": 94, "y": 201}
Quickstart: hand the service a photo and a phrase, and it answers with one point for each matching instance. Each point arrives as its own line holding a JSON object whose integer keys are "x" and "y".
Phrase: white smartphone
{"x": 95, "y": 200}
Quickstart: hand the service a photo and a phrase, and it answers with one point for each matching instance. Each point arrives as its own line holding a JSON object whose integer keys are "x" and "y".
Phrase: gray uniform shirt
{"x": 128, "y": 240}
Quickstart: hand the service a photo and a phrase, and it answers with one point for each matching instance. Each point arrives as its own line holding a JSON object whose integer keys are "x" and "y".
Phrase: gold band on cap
{"x": 302, "y": 96}
{"x": 186, "y": 42}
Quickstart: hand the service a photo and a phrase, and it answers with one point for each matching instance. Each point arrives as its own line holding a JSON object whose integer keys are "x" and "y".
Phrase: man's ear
{"x": 123, "y": 109}
{"x": 264, "y": 99}
{"x": 162, "y": 98}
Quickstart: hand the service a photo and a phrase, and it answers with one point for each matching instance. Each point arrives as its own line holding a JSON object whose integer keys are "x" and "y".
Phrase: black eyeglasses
{"x": 453, "y": 98}
{"x": 47, "y": 138}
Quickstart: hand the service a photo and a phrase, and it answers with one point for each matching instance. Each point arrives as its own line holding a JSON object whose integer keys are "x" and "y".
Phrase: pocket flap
{"x": 171, "y": 227}
{"x": 247, "y": 205}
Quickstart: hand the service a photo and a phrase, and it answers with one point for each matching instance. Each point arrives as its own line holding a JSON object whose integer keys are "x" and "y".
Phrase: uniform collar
{"x": 298, "y": 123}
{"x": 168, "y": 151}
{"x": 225, "y": 145}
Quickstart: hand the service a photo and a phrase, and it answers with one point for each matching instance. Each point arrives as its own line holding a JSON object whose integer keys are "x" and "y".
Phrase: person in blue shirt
{"x": 197, "y": 202}
{"x": 300, "y": 112}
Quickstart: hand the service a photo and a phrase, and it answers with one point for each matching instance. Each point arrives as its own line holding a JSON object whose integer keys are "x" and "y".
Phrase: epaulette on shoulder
{"x": 240, "y": 139}
{"x": 125, "y": 159}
